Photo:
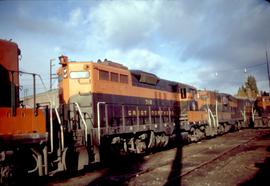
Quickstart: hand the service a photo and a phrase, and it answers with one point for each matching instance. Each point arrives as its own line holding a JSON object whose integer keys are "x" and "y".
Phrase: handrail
{"x": 244, "y": 115}
{"x": 212, "y": 116}
{"x": 209, "y": 118}
{"x": 57, "y": 115}
{"x": 253, "y": 111}
{"x": 61, "y": 129}
{"x": 51, "y": 126}
{"x": 51, "y": 129}
{"x": 84, "y": 123}
{"x": 217, "y": 121}
{"x": 98, "y": 118}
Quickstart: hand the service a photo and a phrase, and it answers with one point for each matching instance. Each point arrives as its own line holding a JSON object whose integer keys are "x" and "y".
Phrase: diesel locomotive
{"x": 104, "y": 108}
{"x": 23, "y": 134}
{"x": 262, "y": 107}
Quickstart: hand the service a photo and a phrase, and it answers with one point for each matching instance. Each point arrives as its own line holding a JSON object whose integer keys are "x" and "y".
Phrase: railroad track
{"x": 211, "y": 160}
{"x": 197, "y": 153}
{"x": 200, "y": 165}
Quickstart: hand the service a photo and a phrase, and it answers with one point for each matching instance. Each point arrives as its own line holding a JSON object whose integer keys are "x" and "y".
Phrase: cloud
{"x": 187, "y": 41}
{"x": 75, "y": 17}
{"x": 232, "y": 30}
{"x": 65, "y": 31}
{"x": 142, "y": 59}
{"x": 131, "y": 24}
{"x": 123, "y": 23}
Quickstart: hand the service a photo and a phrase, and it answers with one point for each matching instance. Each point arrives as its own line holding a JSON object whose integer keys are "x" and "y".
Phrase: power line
{"x": 241, "y": 68}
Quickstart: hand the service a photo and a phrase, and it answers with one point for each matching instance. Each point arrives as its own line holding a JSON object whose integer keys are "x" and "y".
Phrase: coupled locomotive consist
{"x": 114, "y": 109}
{"x": 104, "y": 108}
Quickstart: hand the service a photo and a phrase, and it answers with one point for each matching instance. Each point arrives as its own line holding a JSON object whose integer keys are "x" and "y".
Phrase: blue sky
{"x": 207, "y": 44}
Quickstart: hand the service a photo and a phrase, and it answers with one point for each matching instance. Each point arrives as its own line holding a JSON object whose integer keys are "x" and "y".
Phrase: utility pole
{"x": 268, "y": 69}
{"x": 25, "y": 91}
{"x": 51, "y": 74}
{"x": 245, "y": 76}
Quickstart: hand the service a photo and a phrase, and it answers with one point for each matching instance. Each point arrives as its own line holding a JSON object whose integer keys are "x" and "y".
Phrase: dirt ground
{"x": 239, "y": 158}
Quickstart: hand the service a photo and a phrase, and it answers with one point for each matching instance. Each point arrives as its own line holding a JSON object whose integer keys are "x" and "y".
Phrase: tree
{"x": 249, "y": 89}
{"x": 241, "y": 91}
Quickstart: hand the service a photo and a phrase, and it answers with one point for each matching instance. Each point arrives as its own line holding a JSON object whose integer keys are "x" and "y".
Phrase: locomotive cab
{"x": 75, "y": 105}
{"x": 74, "y": 79}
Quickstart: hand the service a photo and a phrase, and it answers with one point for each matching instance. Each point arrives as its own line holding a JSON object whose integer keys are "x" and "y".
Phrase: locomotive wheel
{"x": 227, "y": 127}
{"x": 10, "y": 174}
{"x": 221, "y": 129}
{"x": 265, "y": 122}
{"x": 165, "y": 139}
{"x": 158, "y": 141}
{"x": 196, "y": 134}
{"x": 200, "y": 134}
{"x": 152, "y": 140}
{"x": 6, "y": 174}
{"x": 140, "y": 146}
{"x": 193, "y": 134}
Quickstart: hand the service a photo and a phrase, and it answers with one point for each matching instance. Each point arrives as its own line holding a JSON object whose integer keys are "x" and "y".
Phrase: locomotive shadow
{"x": 123, "y": 169}
{"x": 120, "y": 170}
{"x": 263, "y": 175}
{"x": 174, "y": 177}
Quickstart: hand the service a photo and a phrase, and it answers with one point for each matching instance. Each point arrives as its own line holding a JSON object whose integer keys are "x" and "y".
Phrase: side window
{"x": 193, "y": 92}
{"x": 123, "y": 78}
{"x": 79, "y": 74}
{"x": 225, "y": 101}
{"x": 183, "y": 92}
{"x": 114, "y": 77}
{"x": 103, "y": 75}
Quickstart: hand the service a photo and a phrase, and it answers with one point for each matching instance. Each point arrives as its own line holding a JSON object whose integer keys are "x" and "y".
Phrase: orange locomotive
{"x": 262, "y": 107}
{"x": 213, "y": 113}
{"x": 20, "y": 128}
{"x": 108, "y": 108}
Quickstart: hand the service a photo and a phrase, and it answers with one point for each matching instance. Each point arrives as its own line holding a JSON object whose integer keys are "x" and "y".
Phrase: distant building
{"x": 44, "y": 97}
